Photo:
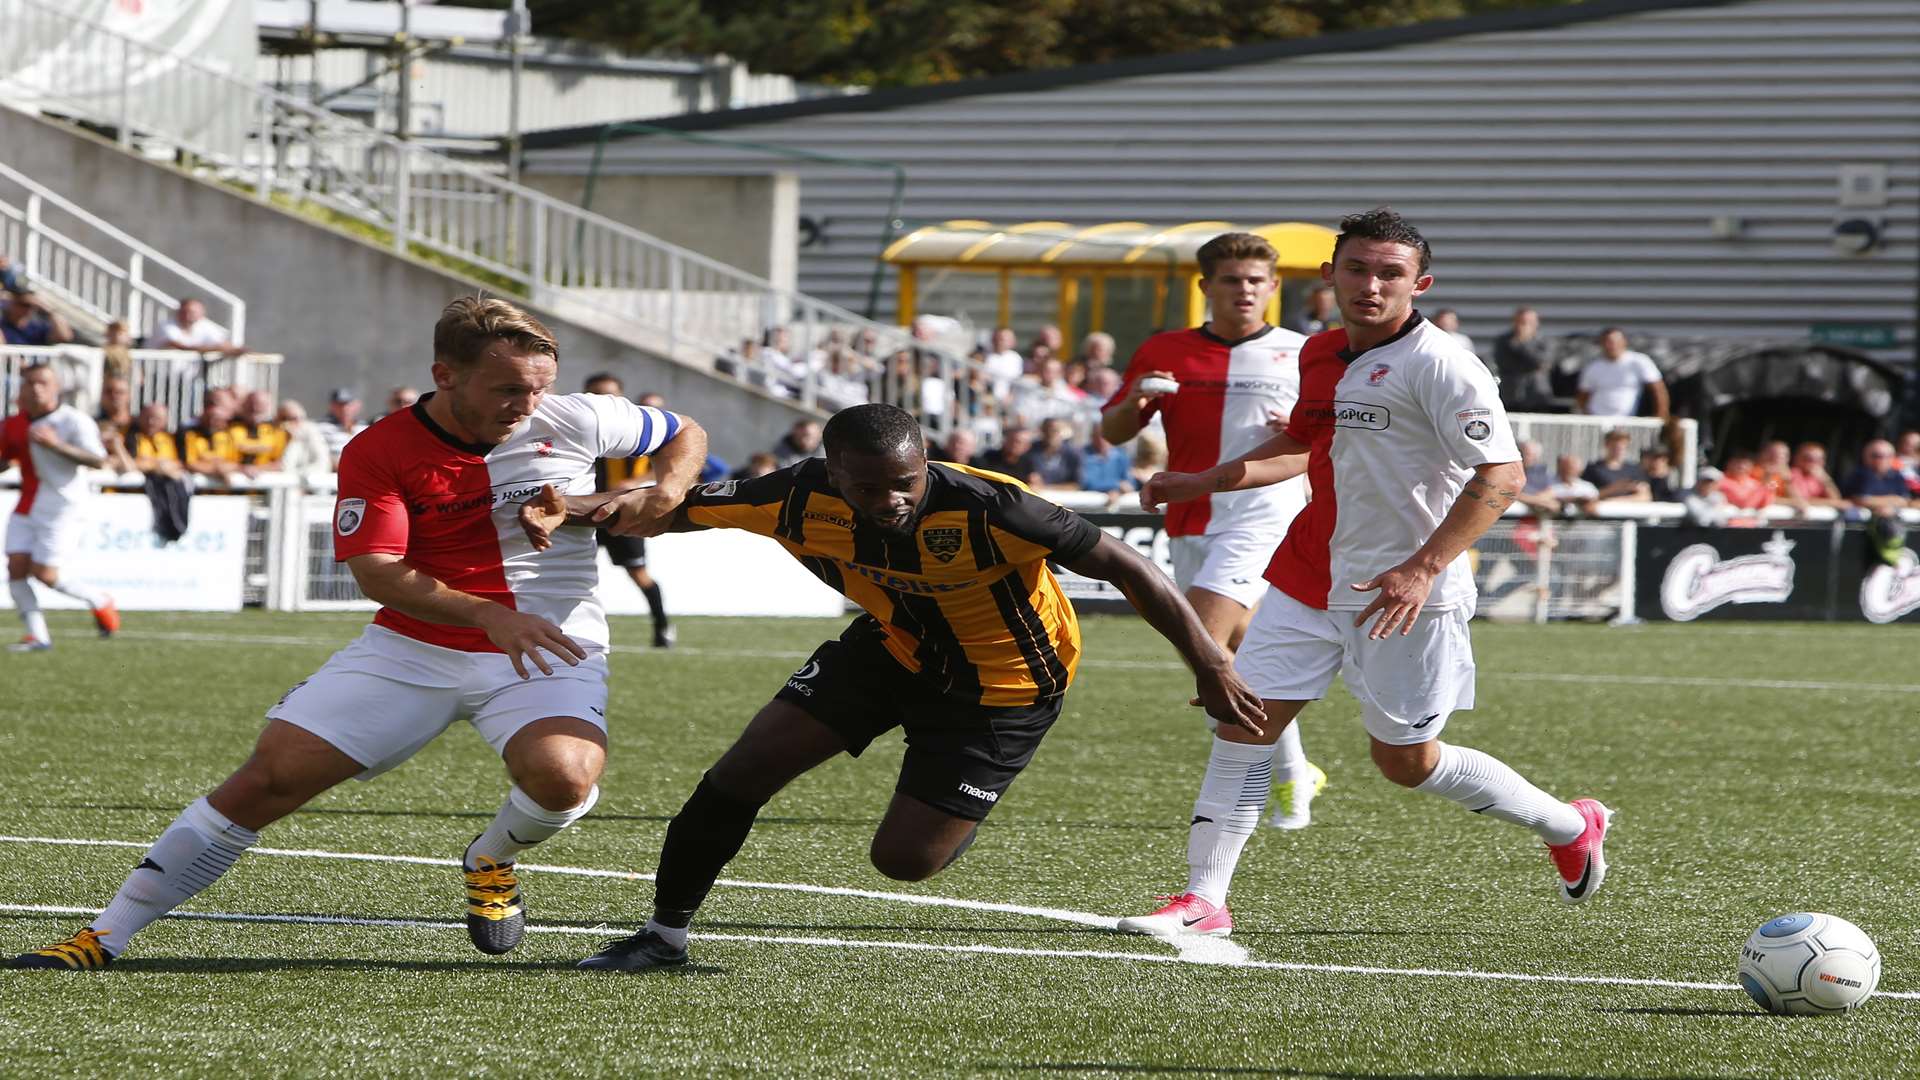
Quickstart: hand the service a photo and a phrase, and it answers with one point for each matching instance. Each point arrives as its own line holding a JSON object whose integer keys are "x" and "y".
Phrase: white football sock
{"x": 675, "y": 936}
{"x": 196, "y": 849}
{"x": 1486, "y": 785}
{"x": 93, "y": 598}
{"x": 1289, "y": 757}
{"x": 1227, "y": 811}
{"x": 28, "y": 605}
{"x": 522, "y": 823}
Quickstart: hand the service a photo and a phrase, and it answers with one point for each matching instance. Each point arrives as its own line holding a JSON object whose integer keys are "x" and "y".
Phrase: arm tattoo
{"x": 1499, "y": 500}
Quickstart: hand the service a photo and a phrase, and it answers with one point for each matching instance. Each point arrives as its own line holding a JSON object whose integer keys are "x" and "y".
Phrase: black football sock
{"x": 704, "y": 836}
{"x": 656, "y": 605}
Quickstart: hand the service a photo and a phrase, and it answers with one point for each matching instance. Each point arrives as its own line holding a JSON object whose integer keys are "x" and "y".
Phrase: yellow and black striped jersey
{"x": 611, "y": 473}
{"x": 965, "y": 599}
{"x": 258, "y": 444}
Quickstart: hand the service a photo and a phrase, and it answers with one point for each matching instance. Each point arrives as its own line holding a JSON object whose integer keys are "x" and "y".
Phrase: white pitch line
{"x": 1206, "y": 951}
{"x": 987, "y": 950}
{"x": 1603, "y": 679}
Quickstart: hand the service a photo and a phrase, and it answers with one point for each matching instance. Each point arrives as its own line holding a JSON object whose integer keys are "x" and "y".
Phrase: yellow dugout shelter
{"x": 1092, "y": 258}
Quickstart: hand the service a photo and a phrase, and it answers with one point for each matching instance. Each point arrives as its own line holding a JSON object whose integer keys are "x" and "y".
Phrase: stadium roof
{"x": 1544, "y": 18}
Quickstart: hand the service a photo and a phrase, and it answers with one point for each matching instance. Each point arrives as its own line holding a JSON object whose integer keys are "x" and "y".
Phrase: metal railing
{"x": 41, "y": 232}
{"x": 584, "y": 268}
{"x": 172, "y": 378}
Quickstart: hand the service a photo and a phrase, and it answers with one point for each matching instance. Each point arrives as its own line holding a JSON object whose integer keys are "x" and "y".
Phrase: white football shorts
{"x": 44, "y": 538}
{"x": 386, "y": 696}
{"x": 1227, "y": 563}
{"x": 1407, "y": 686}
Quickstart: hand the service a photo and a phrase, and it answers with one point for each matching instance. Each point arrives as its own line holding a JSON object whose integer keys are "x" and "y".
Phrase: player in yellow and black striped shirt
{"x": 629, "y": 553}
{"x": 967, "y": 644}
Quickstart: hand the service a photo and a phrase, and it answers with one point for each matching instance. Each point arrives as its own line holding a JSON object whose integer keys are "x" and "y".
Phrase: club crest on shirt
{"x": 719, "y": 489}
{"x": 1379, "y": 374}
{"x": 543, "y": 447}
{"x": 942, "y": 544}
{"x": 348, "y": 516}
{"x": 1477, "y": 430}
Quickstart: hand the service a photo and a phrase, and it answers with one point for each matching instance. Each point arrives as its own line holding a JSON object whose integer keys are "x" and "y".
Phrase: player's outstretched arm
{"x": 676, "y": 468}
{"x": 1404, "y": 589}
{"x": 1280, "y": 458}
{"x": 1153, "y": 595}
{"x": 388, "y": 581}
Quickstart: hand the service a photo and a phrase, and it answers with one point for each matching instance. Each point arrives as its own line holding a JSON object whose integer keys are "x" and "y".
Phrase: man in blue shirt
{"x": 1875, "y": 485}
{"x": 1105, "y": 467}
{"x": 28, "y": 321}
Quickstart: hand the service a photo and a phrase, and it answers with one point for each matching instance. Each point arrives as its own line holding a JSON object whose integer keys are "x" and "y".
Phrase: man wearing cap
{"x": 342, "y": 422}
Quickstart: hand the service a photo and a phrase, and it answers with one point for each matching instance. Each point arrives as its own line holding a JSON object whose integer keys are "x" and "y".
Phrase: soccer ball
{"x": 1809, "y": 964}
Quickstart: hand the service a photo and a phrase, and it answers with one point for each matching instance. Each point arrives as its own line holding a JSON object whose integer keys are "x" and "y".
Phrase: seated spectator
{"x": 1047, "y": 341}
{"x": 1774, "y": 466}
{"x": 9, "y": 277}
{"x": 1613, "y": 475}
{"x": 1102, "y": 384}
{"x": 342, "y": 422}
{"x": 28, "y": 320}
{"x": 208, "y": 447}
{"x": 1045, "y": 394}
{"x": 1539, "y": 480}
{"x": 1572, "y": 493}
{"x": 306, "y": 448}
{"x": 1657, "y": 464}
{"x": 843, "y": 380}
{"x": 759, "y": 464}
{"x": 152, "y": 444}
{"x": 1096, "y": 351}
{"x": 958, "y": 448}
{"x": 1320, "y": 312}
{"x": 1808, "y": 483}
{"x": 190, "y": 329}
{"x": 1742, "y": 488}
{"x": 1875, "y": 486}
{"x": 1149, "y": 456}
{"x": 1449, "y": 320}
{"x": 117, "y": 351}
{"x": 787, "y": 373}
{"x": 802, "y": 441}
{"x": 1003, "y": 362}
{"x": 1704, "y": 503}
{"x": 1907, "y": 450}
{"x": 1054, "y": 465}
{"x": 257, "y": 435}
{"x": 399, "y": 399}
{"x": 1010, "y": 457}
{"x": 116, "y": 406}
{"x": 1105, "y": 467}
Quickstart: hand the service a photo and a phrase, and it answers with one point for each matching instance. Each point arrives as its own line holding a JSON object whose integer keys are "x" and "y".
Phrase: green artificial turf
{"x": 1739, "y": 797}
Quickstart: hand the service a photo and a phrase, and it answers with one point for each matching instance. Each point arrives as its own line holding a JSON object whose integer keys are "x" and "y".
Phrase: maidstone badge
{"x": 942, "y": 544}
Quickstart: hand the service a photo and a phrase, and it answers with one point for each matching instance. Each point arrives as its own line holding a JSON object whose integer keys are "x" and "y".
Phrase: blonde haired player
{"x": 428, "y": 520}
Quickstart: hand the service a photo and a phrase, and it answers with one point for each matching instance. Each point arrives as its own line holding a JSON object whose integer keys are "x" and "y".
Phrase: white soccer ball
{"x": 1809, "y": 964}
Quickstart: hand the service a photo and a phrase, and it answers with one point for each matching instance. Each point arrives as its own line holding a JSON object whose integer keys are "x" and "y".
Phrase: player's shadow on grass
{"x": 1258, "y": 1071}
{"x": 344, "y": 811}
{"x": 1675, "y": 1010}
{"x": 261, "y": 964}
{"x": 822, "y": 927}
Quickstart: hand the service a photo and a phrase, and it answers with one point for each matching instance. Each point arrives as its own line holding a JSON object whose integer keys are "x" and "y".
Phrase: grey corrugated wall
{"x": 1577, "y": 168}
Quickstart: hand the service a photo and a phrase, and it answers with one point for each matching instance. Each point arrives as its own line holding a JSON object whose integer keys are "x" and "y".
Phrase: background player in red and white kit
{"x": 1411, "y": 459}
{"x": 428, "y": 521}
{"x": 55, "y": 445}
{"x": 1237, "y": 376}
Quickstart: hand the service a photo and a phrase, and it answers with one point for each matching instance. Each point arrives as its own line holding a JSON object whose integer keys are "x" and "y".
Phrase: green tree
{"x": 914, "y": 42}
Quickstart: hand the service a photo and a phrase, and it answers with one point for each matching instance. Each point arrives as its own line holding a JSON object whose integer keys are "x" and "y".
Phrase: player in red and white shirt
{"x": 1238, "y": 378}
{"x": 54, "y": 445}
{"x": 428, "y": 519}
{"x": 1411, "y": 459}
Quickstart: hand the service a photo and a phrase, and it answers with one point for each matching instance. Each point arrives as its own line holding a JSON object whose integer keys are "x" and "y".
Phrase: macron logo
{"x": 978, "y": 793}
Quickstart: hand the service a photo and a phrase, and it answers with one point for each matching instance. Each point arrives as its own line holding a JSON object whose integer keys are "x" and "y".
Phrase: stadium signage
{"x": 1698, "y": 580}
{"x": 1889, "y": 592}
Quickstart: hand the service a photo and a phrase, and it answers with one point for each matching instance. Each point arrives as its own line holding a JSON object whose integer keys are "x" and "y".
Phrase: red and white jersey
{"x": 451, "y": 509}
{"x": 1394, "y": 433}
{"x": 1227, "y": 390}
{"x": 49, "y": 483}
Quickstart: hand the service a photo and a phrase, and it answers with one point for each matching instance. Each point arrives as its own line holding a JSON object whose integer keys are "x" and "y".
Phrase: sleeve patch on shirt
{"x": 720, "y": 489}
{"x": 348, "y": 516}
{"x": 1477, "y": 430}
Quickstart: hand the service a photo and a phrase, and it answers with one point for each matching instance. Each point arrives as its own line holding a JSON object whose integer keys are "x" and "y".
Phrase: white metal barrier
{"x": 1585, "y": 438}
{"x": 38, "y": 228}
{"x": 1536, "y": 569}
{"x": 172, "y": 378}
{"x": 588, "y": 269}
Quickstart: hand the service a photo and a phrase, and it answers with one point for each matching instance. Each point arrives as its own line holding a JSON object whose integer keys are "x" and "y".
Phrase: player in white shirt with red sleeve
{"x": 1237, "y": 376}
{"x": 473, "y": 618}
{"x": 54, "y": 445}
{"x": 1411, "y": 459}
